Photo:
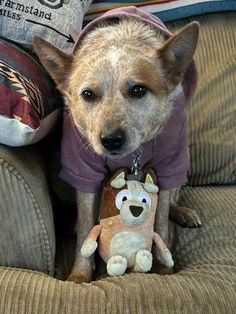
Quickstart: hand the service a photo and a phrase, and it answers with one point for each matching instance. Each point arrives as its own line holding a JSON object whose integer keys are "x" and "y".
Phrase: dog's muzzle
{"x": 113, "y": 141}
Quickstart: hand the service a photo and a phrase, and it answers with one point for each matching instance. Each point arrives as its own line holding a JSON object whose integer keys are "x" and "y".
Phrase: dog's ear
{"x": 177, "y": 53}
{"x": 57, "y": 63}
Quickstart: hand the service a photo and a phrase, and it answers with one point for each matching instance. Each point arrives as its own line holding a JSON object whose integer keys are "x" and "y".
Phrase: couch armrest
{"x": 27, "y": 237}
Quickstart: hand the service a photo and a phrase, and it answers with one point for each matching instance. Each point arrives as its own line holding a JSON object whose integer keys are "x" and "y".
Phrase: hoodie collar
{"x": 122, "y": 13}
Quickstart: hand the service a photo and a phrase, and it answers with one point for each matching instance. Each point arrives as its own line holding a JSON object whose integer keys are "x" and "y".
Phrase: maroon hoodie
{"x": 167, "y": 153}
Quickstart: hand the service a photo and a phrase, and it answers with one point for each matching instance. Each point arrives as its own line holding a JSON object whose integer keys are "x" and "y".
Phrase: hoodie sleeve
{"x": 172, "y": 169}
{"x": 81, "y": 167}
{"x": 170, "y": 150}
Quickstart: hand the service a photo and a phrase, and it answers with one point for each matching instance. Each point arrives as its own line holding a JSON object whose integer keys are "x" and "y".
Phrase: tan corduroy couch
{"x": 204, "y": 280}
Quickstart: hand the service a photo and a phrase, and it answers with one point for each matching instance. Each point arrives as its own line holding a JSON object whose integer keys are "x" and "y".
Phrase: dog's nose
{"x": 114, "y": 140}
{"x": 136, "y": 211}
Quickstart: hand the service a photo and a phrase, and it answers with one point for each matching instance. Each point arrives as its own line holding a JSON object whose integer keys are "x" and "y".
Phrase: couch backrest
{"x": 212, "y": 113}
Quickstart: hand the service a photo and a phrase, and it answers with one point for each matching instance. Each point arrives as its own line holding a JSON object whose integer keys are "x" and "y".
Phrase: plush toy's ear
{"x": 110, "y": 190}
{"x": 149, "y": 182}
{"x": 118, "y": 180}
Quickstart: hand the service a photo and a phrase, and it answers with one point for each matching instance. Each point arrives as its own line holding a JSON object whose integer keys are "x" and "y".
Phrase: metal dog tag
{"x": 136, "y": 172}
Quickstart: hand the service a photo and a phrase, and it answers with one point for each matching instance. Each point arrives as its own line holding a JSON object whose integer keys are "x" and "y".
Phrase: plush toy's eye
{"x": 144, "y": 198}
{"x": 121, "y": 197}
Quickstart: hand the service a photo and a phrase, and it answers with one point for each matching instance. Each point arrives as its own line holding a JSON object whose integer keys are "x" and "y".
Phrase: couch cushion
{"x": 212, "y": 113}
{"x": 204, "y": 280}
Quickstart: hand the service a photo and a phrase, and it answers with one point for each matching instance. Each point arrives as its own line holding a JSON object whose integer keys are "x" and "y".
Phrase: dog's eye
{"x": 138, "y": 91}
{"x": 88, "y": 95}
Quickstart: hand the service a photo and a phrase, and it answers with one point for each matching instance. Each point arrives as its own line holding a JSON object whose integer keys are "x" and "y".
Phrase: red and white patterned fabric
{"x": 29, "y": 101}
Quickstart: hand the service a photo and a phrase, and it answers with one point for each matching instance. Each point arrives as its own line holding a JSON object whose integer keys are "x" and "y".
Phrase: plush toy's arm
{"x": 164, "y": 252}
{"x": 90, "y": 244}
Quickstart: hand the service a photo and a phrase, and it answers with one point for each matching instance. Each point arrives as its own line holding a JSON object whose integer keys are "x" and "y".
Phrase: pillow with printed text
{"x": 57, "y": 21}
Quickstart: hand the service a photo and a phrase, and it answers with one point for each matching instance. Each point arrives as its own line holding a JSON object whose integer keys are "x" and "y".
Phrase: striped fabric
{"x": 166, "y": 10}
{"x": 212, "y": 113}
{"x": 26, "y": 222}
{"x": 204, "y": 280}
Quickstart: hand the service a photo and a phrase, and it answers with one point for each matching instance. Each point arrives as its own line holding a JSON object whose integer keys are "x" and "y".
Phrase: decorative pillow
{"x": 166, "y": 10}
{"x": 29, "y": 101}
{"x": 57, "y": 21}
{"x": 212, "y": 112}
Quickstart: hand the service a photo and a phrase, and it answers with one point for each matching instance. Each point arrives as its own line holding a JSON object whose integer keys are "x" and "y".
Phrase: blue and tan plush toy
{"x": 125, "y": 234}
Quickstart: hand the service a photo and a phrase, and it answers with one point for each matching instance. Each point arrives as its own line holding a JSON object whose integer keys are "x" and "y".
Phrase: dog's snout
{"x": 114, "y": 140}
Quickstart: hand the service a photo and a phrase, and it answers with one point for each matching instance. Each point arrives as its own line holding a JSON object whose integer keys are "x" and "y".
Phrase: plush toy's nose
{"x": 136, "y": 211}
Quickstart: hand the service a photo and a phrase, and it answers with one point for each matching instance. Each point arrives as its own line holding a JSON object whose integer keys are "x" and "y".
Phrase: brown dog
{"x": 126, "y": 87}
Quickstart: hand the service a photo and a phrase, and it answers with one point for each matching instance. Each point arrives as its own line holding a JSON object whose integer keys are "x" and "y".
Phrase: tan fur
{"x": 87, "y": 217}
{"x": 110, "y": 60}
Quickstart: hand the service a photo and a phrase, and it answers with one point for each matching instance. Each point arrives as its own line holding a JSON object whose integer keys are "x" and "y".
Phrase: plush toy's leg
{"x": 116, "y": 265}
{"x": 143, "y": 262}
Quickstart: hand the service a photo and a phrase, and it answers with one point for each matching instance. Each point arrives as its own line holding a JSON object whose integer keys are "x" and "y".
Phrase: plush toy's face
{"x": 136, "y": 201}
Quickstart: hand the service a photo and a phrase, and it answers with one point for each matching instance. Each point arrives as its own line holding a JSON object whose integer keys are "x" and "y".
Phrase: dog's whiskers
{"x": 86, "y": 141}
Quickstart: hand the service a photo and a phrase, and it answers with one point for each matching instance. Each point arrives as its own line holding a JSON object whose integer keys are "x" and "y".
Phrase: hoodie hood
{"x": 190, "y": 78}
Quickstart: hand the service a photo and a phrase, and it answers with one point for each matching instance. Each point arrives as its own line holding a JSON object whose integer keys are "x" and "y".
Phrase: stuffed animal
{"x": 125, "y": 233}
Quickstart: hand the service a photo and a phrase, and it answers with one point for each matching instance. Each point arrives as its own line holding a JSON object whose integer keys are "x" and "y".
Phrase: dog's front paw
{"x": 82, "y": 270}
{"x": 80, "y": 277}
{"x": 186, "y": 217}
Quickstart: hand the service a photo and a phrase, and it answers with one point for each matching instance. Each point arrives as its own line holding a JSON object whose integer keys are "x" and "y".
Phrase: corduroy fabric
{"x": 26, "y": 225}
{"x": 204, "y": 281}
{"x": 205, "y": 258}
{"x": 212, "y": 113}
